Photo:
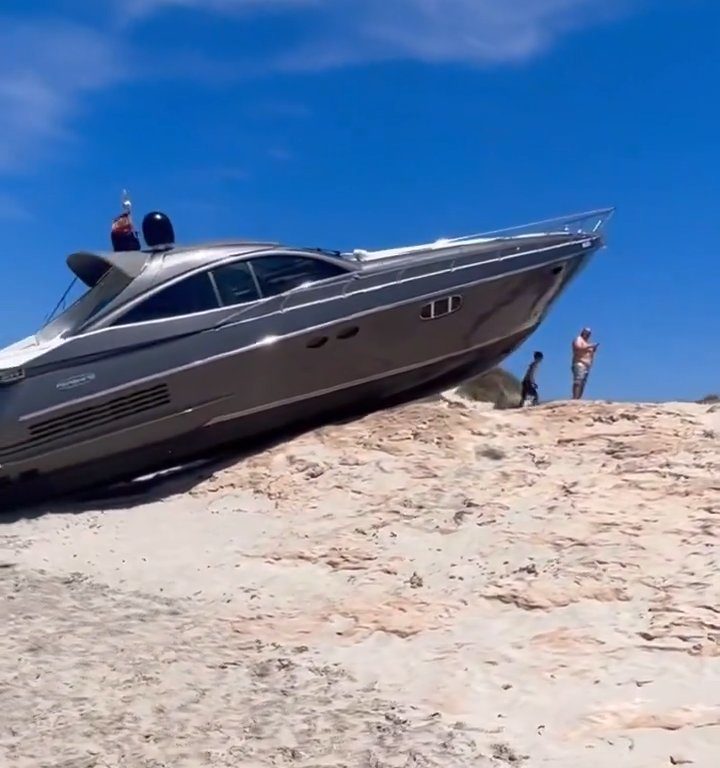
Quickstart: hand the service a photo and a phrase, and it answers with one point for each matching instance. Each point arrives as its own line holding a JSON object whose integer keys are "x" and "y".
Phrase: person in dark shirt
{"x": 123, "y": 235}
{"x": 122, "y": 231}
{"x": 529, "y": 384}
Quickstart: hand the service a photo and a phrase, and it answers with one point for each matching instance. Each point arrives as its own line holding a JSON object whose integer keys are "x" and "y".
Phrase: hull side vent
{"x": 118, "y": 409}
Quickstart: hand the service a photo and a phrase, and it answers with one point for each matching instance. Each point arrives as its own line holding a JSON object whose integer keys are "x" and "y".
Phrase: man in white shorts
{"x": 583, "y": 354}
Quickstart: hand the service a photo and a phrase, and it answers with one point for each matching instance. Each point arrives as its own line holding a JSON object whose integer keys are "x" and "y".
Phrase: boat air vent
{"x": 82, "y": 419}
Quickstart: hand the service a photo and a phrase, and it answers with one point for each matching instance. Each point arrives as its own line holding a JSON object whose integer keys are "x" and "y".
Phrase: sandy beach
{"x": 438, "y": 585}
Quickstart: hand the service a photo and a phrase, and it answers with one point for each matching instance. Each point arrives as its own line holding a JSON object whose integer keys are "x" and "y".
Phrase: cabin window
{"x": 235, "y": 284}
{"x": 278, "y": 274}
{"x": 441, "y": 307}
{"x": 186, "y": 297}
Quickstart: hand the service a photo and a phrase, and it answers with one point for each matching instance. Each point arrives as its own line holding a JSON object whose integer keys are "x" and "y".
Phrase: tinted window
{"x": 84, "y": 309}
{"x": 277, "y": 274}
{"x": 235, "y": 284}
{"x": 193, "y": 294}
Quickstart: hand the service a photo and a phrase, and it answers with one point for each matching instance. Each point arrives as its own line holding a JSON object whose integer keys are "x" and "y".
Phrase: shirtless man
{"x": 583, "y": 354}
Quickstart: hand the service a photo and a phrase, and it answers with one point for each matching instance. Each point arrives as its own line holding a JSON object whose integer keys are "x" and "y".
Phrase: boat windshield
{"x": 83, "y": 309}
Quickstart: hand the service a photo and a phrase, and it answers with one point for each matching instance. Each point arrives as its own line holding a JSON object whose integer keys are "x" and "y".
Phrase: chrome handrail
{"x": 455, "y": 263}
{"x": 600, "y": 216}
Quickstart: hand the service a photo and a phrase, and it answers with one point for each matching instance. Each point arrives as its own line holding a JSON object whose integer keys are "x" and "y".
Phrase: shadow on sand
{"x": 149, "y": 488}
{"x": 173, "y": 481}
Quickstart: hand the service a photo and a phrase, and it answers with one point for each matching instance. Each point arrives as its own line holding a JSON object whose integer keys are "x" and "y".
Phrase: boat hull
{"x": 254, "y": 430}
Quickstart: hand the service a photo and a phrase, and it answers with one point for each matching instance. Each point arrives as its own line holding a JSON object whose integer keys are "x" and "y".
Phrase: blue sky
{"x": 371, "y": 123}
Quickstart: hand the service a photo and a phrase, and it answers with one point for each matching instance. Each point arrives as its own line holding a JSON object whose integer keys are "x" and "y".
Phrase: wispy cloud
{"x": 47, "y": 69}
{"x": 342, "y": 32}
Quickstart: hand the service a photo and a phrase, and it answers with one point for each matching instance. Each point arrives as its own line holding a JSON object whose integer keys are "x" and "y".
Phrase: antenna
{"x": 61, "y": 303}
{"x": 126, "y": 202}
{"x": 122, "y": 233}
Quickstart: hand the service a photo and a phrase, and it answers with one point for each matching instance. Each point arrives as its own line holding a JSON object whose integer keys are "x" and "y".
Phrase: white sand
{"x": 440, "y": 585}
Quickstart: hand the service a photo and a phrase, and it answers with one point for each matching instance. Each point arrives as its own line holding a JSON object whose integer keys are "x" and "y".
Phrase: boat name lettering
{"x": 76, "y": 381}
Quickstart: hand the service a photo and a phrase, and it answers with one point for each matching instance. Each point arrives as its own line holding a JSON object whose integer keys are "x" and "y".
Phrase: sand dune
{"x": 438, "y": 585}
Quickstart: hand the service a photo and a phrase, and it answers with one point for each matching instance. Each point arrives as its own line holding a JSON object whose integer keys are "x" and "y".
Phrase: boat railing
{"x": 585, "y": 224}
{"x": 588, "y": 223}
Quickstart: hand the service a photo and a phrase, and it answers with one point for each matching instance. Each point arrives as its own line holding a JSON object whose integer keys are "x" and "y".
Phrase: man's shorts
{"x": 580, "y": 372}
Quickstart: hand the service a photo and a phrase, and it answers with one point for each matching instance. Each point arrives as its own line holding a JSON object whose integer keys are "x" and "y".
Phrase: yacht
{"x": 174, "y": 351}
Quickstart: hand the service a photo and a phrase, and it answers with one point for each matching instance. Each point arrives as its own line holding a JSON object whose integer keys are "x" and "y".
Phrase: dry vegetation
{"x": 503, "y": 389}
{"x": 497, "y": 386}
{"x": 709, "y": 400}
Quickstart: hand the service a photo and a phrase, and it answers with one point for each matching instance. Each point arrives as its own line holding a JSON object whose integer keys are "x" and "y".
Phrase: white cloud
{"x": 46, "y": 71}
{"x": 49, "y": 70}
{"x": 344, "y": 32}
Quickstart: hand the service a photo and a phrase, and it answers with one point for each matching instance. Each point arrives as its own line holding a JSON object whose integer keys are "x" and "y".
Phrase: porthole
{"x": 441, "y": 307}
